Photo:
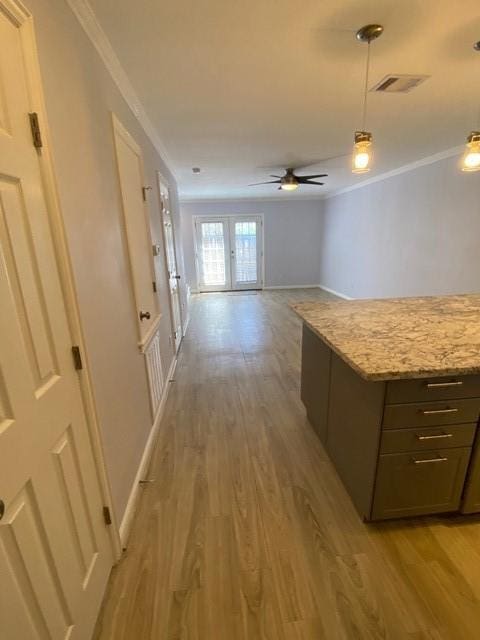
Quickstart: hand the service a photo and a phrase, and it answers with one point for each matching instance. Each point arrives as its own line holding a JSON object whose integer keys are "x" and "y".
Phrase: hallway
{"x": 245, "y": 531}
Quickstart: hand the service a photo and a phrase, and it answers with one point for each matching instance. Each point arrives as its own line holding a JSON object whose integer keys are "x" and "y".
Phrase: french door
{"x": 229, "y": 252}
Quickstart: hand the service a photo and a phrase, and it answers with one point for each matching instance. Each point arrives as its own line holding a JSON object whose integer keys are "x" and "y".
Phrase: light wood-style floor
{"x": 247, "y": 532}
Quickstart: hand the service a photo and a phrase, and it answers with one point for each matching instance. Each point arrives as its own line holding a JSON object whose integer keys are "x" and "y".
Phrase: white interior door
{"x": 213, "y": 253}
{"x": 55, "y": 554}
{"x": 137, "y": 227}
{"x": 171, "y": 263}
{"x": 229, "y": 252}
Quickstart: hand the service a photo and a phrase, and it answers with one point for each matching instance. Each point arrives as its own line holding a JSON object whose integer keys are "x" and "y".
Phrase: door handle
{"x": 144, "y": 315}
{"x": 177, "y": 277}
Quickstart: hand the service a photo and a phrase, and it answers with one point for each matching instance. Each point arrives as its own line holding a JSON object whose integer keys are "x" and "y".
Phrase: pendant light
{"x": 471, "y": 157}
{"x": 362, "y": 149}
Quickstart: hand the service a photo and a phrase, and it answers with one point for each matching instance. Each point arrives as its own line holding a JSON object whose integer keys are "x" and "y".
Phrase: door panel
{"x": 171, "y": 262}
{"x": 229, "y": 253}
{"x": 55, "y": 554}
{"x": 137, "y": 227}
{"x": 213, "y": 254}
{"x": 246, "y": 253}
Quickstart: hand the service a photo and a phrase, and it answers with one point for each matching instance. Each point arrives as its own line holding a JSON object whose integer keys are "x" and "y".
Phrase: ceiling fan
{"x": 290, "y": 181}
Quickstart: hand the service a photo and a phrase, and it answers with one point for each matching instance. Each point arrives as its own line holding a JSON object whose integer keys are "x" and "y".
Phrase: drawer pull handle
{"x": 435, "y": 412}
{"x": 434, "y": 437}
{"x": 441, "y": 385}
{"x": 428, "y": 460}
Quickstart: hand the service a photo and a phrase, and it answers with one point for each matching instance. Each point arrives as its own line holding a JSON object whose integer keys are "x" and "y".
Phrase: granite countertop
{"x": 397, "y": 338}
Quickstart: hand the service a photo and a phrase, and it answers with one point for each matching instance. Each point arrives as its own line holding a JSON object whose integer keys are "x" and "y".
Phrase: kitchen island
{"x": 392, "y": 388}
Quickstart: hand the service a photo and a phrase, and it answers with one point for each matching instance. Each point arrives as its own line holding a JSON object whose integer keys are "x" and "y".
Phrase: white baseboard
{"x": 186, "y": 325}
{"x": 294, "y": 286}
{"x": 335, "y": 293}
{"x": 127, "y": 520}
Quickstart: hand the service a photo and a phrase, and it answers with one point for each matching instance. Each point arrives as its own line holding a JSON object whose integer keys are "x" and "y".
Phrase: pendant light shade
{"x": 362, "y": 152}
{"x": 471, "y": 158}
{"x": 362, "y": 149}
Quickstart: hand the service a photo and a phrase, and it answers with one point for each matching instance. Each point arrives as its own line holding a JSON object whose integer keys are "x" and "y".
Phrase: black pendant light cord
{"x": 365, "y": 93}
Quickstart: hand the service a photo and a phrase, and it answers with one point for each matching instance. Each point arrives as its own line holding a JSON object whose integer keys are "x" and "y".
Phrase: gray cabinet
{"x": 402, "y": 447}
{"x": 410, "y": 484}
{"x": 471, "y": 497}
{"x": 315, "y": 380}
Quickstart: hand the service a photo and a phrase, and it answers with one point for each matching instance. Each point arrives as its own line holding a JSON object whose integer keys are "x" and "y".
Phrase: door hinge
{"x": 77, "y": 357}
{"x": 154, "y": 285}
{"x": 144, "y": 192}
{"x": 106, "y": 515}
{"x": 36, "y": 133}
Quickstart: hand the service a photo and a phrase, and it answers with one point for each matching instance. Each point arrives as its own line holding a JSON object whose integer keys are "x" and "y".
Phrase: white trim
{"x": 442, "y": 155}
{"x": 335, "y": 293}
{"x": 130, "y": 509}
{"x": 293, "y": 286}
{"x": 239, "y": 199}
{"x": 187, "y": 322}
{"x": 85, "y": 15}
{"x": 16, "y": 11}
{"x": 24, "y": 19}
{"x": 411, "y": 166}
{"x": 144, "y": 343}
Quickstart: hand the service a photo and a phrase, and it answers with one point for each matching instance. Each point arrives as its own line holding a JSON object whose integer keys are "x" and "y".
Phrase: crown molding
{"x": 442, "y": 155}
{"x": 239, "y": 200}
{"x": 86, "y": 17}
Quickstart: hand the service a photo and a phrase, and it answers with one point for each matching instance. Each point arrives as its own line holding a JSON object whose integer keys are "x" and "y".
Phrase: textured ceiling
{"x": 234, "y": 86}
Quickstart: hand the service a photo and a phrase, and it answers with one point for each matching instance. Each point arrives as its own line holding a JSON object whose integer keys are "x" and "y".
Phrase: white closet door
{"x": 55, "y": 554}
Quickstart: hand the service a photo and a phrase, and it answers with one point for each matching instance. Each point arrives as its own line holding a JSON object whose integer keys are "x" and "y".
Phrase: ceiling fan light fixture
{"x": 362, "y": 152}
{"x": 471, "y": 158}
{"x": 289, "y": 186}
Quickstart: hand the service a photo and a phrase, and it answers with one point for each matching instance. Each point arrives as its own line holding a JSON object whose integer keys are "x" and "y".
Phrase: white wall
{"x": 413, "y": 234}
{"x": 291, "y": 237}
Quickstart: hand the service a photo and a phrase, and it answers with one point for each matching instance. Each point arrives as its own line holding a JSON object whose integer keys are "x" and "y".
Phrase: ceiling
{"x": 232, "y": 87}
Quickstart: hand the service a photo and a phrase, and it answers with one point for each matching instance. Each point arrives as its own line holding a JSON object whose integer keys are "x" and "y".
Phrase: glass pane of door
{"x": 246, "y": 251}
{"x": 212, "y": 251}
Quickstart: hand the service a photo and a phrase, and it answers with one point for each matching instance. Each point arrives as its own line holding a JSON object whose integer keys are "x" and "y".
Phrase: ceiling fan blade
{"x": 312, "y": 182}
{"x": 317, "y": 175}
{"x": 321, "y": 161}
{"x": 272, "y": 176}
{"x": 255, "y": 184}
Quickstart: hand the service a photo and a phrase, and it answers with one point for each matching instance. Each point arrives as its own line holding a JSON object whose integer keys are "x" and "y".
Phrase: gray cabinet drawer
{"x": 432, "y": 389}
{"x": 426, "y": 414}
{"x": 419, "y": 483}
{"x": 424, "y": 438}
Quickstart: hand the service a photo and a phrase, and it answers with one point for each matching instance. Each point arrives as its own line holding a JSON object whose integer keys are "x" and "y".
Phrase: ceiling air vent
{"x": 398, "y": 83}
